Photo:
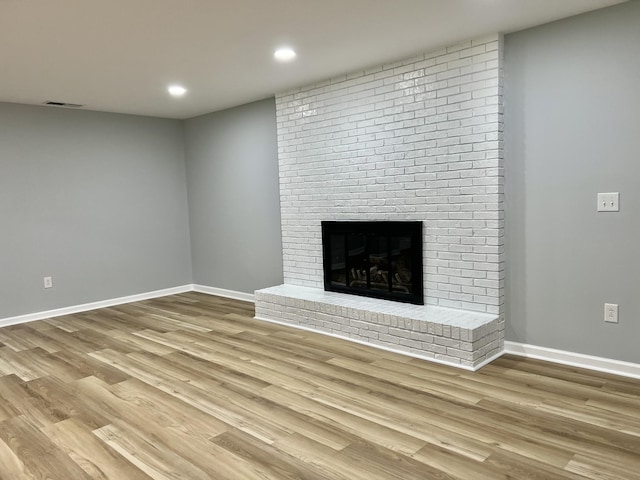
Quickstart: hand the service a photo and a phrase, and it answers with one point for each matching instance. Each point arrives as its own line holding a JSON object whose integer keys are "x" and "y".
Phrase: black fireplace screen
{"x": 374, "y": 259}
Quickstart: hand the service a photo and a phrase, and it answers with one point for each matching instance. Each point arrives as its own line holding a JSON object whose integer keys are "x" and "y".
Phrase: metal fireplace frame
{"x": 369, "y": 229}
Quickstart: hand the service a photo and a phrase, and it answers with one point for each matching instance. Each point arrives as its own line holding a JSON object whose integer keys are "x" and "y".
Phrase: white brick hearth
{"x": 420, "y": 139}
{"x": 452, "y": 336}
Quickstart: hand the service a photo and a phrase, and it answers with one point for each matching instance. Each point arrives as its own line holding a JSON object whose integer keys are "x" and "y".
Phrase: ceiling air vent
{"x": 63, "y": 104}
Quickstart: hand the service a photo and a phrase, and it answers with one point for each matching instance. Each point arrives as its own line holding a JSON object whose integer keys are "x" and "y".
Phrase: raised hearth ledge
{"x": 460, "y": 338}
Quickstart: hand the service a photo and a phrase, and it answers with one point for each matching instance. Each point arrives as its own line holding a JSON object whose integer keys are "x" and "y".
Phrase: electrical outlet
{"x": 48, "y": 282}
{"x": 611, "y": 312}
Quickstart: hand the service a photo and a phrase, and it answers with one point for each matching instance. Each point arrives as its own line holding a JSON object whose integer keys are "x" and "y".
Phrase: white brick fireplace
{"x": 420, "y": 139}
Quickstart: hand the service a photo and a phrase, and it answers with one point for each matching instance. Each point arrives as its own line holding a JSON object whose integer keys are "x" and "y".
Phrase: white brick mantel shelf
{"x": 457, "y": 337}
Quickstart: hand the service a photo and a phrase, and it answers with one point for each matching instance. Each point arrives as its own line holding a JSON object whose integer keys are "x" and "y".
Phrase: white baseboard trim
{"x": 85, "y": 307}
{"x": 381, "y": 347}
{"x": 5, "y": 322}
{"x": 221, "y": 292}
{"x": 600, "y": 364}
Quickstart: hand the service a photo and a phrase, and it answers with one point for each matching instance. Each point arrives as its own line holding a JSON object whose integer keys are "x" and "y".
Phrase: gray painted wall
{"x": 572, "y": 106}
{"x": 96, "y": 200}
{"x": 234, "y": 206}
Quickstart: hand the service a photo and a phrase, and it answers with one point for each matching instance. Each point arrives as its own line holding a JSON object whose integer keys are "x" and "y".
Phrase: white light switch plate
{"x": 609, "y": 202}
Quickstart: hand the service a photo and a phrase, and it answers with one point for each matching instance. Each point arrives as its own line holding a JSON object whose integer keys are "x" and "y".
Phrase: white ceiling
{"x": 120, "y": 55}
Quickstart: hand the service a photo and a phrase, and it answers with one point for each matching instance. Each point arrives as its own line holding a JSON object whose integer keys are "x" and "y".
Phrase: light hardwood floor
{"x": 191, "y": 387}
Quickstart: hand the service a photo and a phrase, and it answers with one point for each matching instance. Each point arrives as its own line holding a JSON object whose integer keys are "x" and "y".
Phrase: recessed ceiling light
{"x": 177, "y": 90}
{"x": 284, "y": 54}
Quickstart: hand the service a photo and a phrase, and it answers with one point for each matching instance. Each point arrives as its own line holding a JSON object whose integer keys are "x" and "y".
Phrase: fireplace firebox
{"x": 374, "y": 259}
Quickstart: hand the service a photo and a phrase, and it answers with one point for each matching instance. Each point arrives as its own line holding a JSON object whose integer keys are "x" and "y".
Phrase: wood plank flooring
{"x": 191, "y": 387}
